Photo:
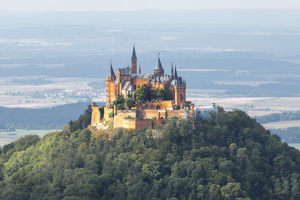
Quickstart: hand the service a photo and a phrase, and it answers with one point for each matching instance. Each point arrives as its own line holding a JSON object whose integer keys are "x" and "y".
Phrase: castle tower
{"x": 133, "y": 61}
{"x": 158, "y": 70}
{"x": 172, "y": 70}
{"x": 176, "y": 72}
{"x": 140, "y": 69}
{"x": 110, "y": 78}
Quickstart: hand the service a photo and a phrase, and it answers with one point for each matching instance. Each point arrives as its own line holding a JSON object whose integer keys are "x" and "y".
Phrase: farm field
{"x": 282, "y": 124}
{"x": 251, "y": 83}
{"x": 71, "y": 85}
{"x": 5, "y": 138}
{"x": 275, "y": 104}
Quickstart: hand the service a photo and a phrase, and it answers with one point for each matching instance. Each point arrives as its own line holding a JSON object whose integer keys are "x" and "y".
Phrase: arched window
{"x": 157, "y": 107}
{"x": 146, "y": 107}
{"x": 152, "y": 107}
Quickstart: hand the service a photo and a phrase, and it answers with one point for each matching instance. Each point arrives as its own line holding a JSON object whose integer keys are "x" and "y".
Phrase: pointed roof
{"x": 111, "y": 72}
{"x": 176, "y": 72}
{"x": 139, "y": 67}
{"x": 172, "y": 66}
{"x": 158, "y": 65}
{"x": 133, "y": 53}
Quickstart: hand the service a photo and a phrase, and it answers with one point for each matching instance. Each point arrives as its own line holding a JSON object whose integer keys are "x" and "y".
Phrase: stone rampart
{"x": 120, "y": 121}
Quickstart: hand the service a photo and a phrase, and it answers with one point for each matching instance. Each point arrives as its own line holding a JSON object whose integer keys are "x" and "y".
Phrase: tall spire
{"x": 172, "y": 69}
{"x": 176, "y": 72}
{"x": 133, "y": 53}
{"x": 111, "y": 72}
{"x": 158, "y": 65}
{"x": 140, "y": 69}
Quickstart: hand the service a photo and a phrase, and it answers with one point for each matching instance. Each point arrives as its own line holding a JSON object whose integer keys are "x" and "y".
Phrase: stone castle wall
{"x": 119, "y": 120}
{"x": 149, "y": 123}
{"x": 95, "y": 115}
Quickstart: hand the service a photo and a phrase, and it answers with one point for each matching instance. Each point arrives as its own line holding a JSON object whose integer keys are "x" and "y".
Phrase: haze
{"x": 127, "y": 5}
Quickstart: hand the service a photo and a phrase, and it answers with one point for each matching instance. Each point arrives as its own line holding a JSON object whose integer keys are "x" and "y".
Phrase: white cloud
{"x": 125, "y": 5}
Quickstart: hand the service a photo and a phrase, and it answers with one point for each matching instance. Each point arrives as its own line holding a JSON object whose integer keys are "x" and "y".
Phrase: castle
{"x": 148, "y": 113}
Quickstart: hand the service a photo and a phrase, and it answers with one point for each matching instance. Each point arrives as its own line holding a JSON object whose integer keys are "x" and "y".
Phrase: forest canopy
{"x": 231, "y": 156}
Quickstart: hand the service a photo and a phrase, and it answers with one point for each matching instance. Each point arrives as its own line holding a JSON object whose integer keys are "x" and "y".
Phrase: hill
{"x": 231, "y": 156}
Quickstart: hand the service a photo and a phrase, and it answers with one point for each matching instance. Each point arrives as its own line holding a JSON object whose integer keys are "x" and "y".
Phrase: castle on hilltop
{"x": 127, "y": 81}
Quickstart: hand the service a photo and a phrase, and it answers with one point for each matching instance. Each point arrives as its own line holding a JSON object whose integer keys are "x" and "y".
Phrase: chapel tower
{"x": 133, "y": 62}
{"x": 110, "y": 86}
{"x": 159, "y": 70}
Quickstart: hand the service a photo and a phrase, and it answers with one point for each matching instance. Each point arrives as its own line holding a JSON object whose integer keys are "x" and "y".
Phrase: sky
{"x": 128, "y": 5}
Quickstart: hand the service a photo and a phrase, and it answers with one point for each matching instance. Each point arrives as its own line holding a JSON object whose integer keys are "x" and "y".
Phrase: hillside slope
{"x": 229, "y": 157}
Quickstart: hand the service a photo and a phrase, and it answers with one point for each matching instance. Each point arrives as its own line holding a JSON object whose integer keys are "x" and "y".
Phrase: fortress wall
{"x": 148, "y": 123}
{"x": 147, "y": 113}
{"x": 119, "y": 120}
{"x": 95, "y": 115}
{"x": 129, "y": 123}
{"x": 144, "y": 123}
{"x": 139, "y": 82}
{"x": 106, "y": 112}
{"x": 162, "y": 104}
{"x": 177, "y": 113}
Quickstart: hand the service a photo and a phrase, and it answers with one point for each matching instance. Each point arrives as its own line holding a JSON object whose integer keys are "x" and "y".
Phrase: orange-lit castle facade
{"x": 128, "y": 80}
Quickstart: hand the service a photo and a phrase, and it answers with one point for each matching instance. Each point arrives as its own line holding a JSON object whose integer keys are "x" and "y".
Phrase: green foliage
{"x": 119, "y": 102}
{"x": 128, "y": 117}
{"x": 141, "y": 94}
{"x": 168, "y": 94}
{"x": 83, "y": 121}
{"x": 101, "y": 110}
{"x": 233, "y": 157}
{"x": 160, "y": 94}
{"x": 111, "y": 114}
{"x": 129, "y": 103}
{"x": 177, "y": 108}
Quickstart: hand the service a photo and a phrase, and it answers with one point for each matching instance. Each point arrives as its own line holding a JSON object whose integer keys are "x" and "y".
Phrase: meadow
{"x": 8, "y": 137}
{"x": 282, "y": 124}
{"x": 24, "y": 100}
{"x": 275, "y": 104}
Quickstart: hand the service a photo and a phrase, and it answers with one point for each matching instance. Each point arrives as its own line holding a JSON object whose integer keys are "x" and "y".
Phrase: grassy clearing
{"x": 5, "y": 138}
{"x": 282, "y": 124}
{"x": 251, "y": 83}
{"x": 296, "y": 145}
{"x": 276, "y": 104}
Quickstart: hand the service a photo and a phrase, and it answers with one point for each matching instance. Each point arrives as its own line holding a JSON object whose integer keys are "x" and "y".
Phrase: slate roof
{"x": 158, "y": 65}
{"x": 124, "y": 71}
{"x": 133, "y": 53}
{"x": 146, "y": 76}
{"x": 111, "y": 72}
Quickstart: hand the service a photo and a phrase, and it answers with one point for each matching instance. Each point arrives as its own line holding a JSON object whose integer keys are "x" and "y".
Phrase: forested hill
{"x": 231, "y": 156}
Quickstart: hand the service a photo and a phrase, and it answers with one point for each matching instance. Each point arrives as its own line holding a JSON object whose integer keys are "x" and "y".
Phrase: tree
{"x": 120, "y": 102}
{"x": 129, "y": 103}
{"x": 160, "y": 94}
{"x": 168, "y": 92}
{"x": 141, "y": 94}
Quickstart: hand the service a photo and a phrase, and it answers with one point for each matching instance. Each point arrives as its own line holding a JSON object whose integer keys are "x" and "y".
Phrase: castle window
{"x": 146, "y": 107}
{"x": 138, "y": 86}
{"x": 157, "y": 107}
{"x": 151, "y": 107}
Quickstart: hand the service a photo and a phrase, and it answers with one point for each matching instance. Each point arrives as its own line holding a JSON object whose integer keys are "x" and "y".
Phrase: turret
{"x": 176, "y": 72}
{"x": 172, "y": 69}
{"x": 111, "y": 72}
{"x": 158, "y": 70}
{"x": 134, "y": 61}
{"x": 109, "y": 85}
